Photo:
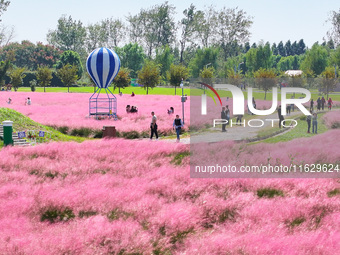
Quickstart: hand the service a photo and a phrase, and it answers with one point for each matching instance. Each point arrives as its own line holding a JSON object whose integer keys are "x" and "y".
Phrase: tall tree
{"x": 334, "y": 33}
{"x": 204, "y": 57}
{"x": 206, "y": 26}
{"x": 164, "y": 58}
{"x": 281, "y": 49}
{"x": 156, "y": 26}
{"x": 187, "y": 27}
{"x": 150, "y": 75}
{"x": 265, "y": 79}
{"x": 96, "y": 36}
{"x": 132, "y": 57}
{"x": 68, "y": 75}
{"x": 274, "y": 49}
{"x": 72, "y": 58}
{"x": 301, "y": 47}
{"x": 115, "y": 32}
{"x": 232, "y": 28}
{"x": 288, "y": 48}
{"x": 44, "y": 76}
{"x": 316, "y": 59}
{"x": 3, "y": 6}
{"x": 69, "y": 35}
{"x": 329, "y": 81}
{"x": 17, "y": 75}
{"x": 176, "y": 74}
{"x": 122, "y": 80}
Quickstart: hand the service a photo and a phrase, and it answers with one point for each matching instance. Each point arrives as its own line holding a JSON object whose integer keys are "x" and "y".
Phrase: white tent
{"x": 293, "y": 72}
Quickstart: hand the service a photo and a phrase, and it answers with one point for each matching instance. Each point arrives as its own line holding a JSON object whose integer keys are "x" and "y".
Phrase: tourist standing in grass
{"x": 309, "y": 120}
{"x": 281, "y": 118}
{"x": 223, "y": 117}
{"x": 178, "y": 124}
{"x": 315, "y": 123}
{"x": 153, "y": 126}
{"x": 227, "y": 113}
{"x": 311, "y": 109}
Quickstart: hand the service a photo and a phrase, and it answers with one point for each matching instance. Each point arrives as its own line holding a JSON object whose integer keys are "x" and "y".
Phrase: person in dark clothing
{"x": 288, "y": 109}
{"x": 323, "y": 101}
{"x": 239, "y": 119}
{"x": 153, "y": 126}
{"x": 281, "y": 118}
{"x": 223, "y": 117}
{"x": 311, "y": 109}
{"x": 318, "y": 104}
{"x": 178, "y": 124}
{"x": 227, "y": 112}
{"x": 309, "y": 120}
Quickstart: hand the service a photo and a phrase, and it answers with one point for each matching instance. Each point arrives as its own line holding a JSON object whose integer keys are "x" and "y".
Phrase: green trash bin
{"x": 8, "y": 132}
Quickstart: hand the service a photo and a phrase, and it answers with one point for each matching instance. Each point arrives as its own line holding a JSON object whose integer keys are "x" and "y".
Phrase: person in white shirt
{"x": 153, "y": 126}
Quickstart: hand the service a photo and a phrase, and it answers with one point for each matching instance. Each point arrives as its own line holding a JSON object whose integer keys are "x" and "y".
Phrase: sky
{"x": 273, "y": 20}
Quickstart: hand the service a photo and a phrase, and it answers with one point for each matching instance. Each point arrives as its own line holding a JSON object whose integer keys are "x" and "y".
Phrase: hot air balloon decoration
{"x": 103, "y": 65}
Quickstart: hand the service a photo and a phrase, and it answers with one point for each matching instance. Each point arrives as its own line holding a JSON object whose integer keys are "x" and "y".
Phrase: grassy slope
{"x": 22, "y": 123}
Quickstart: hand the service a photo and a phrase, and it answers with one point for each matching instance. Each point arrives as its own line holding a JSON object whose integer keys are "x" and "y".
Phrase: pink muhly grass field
{"x": 71, "y": 109}
{"x": 128, "y": 196}
{"x": 332, "y": 119}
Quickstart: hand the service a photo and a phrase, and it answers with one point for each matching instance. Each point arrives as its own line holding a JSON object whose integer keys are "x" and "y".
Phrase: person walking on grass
{"x": 323, "y": 101}
{"x": 315, "y": 123}
{"x": 281, "y": 118}
{"x": 153, "y": 126}
{"x": 223, "y": 117}
{"x": 318, "y": 103}
{"x": 309, "y": 120}
{"x": 178, "y": 124}
{"x": 330, "y": 102}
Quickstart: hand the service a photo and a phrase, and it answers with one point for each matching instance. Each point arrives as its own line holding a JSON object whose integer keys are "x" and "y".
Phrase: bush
{"x": 83, "y": 132}
{"x": 98, "y": 134}
{"x": 335, "y": 125}
{"x": 55, "y": 215}
{"x": 33, "y": 84}
{"x": 269, "y": 193}
{"x": 63, "y": 129}
{"x": 131, "y": 135}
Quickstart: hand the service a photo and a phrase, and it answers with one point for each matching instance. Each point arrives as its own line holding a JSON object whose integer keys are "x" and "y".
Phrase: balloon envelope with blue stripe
{"x": 103, "y": 65}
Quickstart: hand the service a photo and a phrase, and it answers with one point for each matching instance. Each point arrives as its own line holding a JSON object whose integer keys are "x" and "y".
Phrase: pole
{"x": 183, "y": 103}
{"x": 8, "y": 132}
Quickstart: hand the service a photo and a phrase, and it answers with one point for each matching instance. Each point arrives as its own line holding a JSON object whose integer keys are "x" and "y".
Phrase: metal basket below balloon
{"x": 103, "y": 104}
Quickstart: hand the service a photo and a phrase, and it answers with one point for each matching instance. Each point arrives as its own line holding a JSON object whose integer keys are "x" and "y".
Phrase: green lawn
{"x": 22, "y": 123}
{"x": 299, "y": 131}
{"x": 258, "y": 94}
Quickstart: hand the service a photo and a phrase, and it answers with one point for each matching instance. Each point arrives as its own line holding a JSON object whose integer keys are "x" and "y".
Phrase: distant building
{"x": 293, "y": 72}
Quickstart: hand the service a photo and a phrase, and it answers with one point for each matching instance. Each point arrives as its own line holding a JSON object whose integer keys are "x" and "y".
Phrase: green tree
{"x": 17, "y": 75}
{"x": 315, "y": 59}
{"x": 329, "y": 81}
{"x": 206, "y": 25}
{"x": 155, "y": 25}
{"x": 301, "y": 47}
{"x": 207, "y": 75}
{"x": 72, "y": 58}
{"x": 68, "y": 75}
{"x": 187, "y": 26}
{"x": 69, "y": 35}
{"x": 44, "y": 76}
{"x": 234, "y": 78}
{"x": 259, "y": 57}
{"x": 132, "y": 57}
{"x": 96, "y": 36}
{"x": 3, "y": 6}
{"x": 149, "y": 75}
{"x": 4, "y": 68}
{"x": 265, "y": 79}
{"x": 115, "y": 32}
{"x": 177, "y": 74}
{"x": 281, "y": 49}
{"x": 334, "y": 33}
{"x": 203, "y": 57}
{"x": 164, "y": 58}
{"x": 232, "y": 29}
{"x": 123, "y": 79}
